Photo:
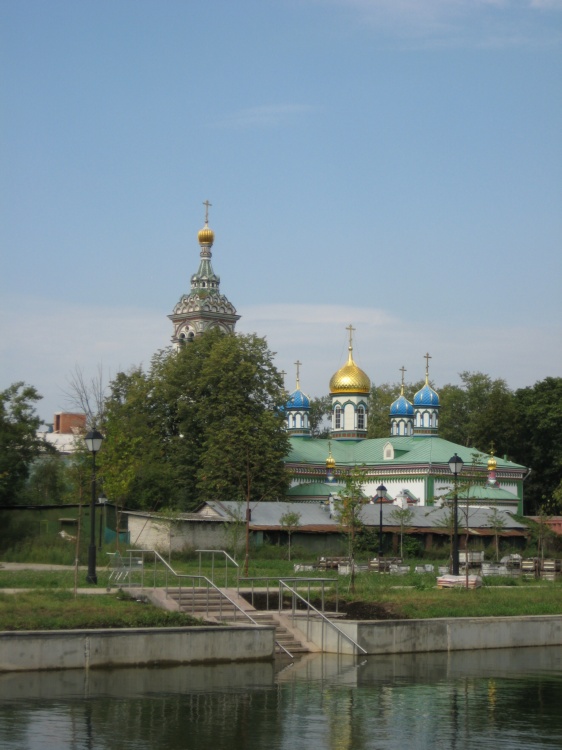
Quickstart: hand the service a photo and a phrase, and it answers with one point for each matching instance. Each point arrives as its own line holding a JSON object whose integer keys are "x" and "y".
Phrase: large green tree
{"x": 202, "y": 423}
{"x": 19, "y": 443}
{"x": 479, "y": 413}
{"x": 539, "y": 442}
{"x": 381, "y": 399}
{"x": 319, "y": 416}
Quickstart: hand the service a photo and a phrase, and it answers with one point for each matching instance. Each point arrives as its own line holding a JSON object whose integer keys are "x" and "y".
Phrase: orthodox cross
{"x": 207, "y": 204}
{"x": 427, "y": 357}
{"x": 298, "y": 364}
{"x": 350, "y": 328}
{"x": 402, "y": 370}
{"x": 283, "y": 373}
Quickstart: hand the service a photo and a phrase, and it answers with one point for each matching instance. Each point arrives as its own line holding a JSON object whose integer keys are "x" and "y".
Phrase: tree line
{"x": 523, "y": 425}
{"x": 208, "y": 422}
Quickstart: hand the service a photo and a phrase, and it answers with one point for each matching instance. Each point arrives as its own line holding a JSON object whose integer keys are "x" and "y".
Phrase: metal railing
{"x": 317, "y": 614}
{"x": 208, "y": 585}
{"x": 309, "y": 583}
{"x": 227, "y": 559}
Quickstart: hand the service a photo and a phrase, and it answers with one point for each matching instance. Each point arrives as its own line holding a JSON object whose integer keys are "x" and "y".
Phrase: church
{"x": 412, "y": 463}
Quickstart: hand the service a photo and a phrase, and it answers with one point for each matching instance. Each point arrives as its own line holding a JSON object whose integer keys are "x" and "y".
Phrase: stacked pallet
{"x": 453, "y": 582}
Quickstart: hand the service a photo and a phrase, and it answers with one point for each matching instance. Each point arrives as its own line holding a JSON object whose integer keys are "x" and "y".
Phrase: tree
{"x": 88, "y": 396}
{"x": 496, "y": 520}
{"x": 539, "y": 440}
{"x": 479, "y": 412}
{"x": 381, "y": 399}
{"x": 320, "y": 410}
{"x": 135, "y": 461}
{"x": 19, "y": 443}
{"x": 202, "y": 423}
{"x": 235, "y": 530}
{"x": 402, "y": 517}
{"x": 290, "y": 522}
{"x": 349, "y": 507}
{"x": 48, "y": 481}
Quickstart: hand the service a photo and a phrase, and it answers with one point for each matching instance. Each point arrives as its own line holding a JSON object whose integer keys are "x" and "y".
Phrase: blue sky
{"x": 396, "y": 165}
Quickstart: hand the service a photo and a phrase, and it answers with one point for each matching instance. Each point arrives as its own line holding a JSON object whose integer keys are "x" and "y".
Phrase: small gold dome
{"x": 492, "y": 463}
{"x": 330, "y": 462}
{"x": 206, "y": 236}
{"x": 350, "y": 379}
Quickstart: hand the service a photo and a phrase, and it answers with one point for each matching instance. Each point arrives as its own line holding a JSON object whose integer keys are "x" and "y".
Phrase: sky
{"x": 391, "y": 164}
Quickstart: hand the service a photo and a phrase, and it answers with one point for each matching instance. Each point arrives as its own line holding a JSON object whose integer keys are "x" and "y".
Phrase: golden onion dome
{"x": 350, "y": 379}
{"x": 330, "y": 461}
{"x": 206, "y": 236}
{"x": 492, "y": 463}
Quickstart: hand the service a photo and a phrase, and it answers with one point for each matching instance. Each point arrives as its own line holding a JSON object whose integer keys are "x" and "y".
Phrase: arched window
{"x": 337, "y": 418}
{"x": 361, "y": 418}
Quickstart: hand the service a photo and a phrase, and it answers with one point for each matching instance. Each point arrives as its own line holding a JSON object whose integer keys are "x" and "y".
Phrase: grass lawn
{"x": 59, "y": 610}
{"x": 52, "y": 605}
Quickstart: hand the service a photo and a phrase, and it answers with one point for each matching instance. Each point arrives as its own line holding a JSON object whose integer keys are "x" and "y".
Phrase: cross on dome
{"x": 298, "y": 364}
{"x": 207, "y": 204}
{"x": 427, "y": 357}
{"x": 402, "y": 370}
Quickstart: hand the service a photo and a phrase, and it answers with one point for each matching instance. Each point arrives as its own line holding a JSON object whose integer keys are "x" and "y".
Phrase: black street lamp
{"x": 93, "y": 441}
{"x": 381, "y": 492}
{"x": 455, "y": 466}
{"x": 102, "y": 500}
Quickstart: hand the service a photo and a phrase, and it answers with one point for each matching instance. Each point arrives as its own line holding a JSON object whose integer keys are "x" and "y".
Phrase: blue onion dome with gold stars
{"x": 350, "y": 378}
{"x": 402, "y": 407}
{"x": 298, "y": 400}
{"x": 426, "y": 396}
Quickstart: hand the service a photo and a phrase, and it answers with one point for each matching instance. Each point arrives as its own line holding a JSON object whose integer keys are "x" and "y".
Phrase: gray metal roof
{"x": 268, "y": 514}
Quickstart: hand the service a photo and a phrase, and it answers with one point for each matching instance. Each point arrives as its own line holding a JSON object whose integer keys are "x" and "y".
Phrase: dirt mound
{"x": 352, "y": 610}
{"x": 369, "y": 611}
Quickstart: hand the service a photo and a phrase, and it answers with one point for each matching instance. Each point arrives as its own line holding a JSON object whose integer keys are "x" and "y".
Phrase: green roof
{"x": 314, "y": 489}
{"x": 407, "y": 450}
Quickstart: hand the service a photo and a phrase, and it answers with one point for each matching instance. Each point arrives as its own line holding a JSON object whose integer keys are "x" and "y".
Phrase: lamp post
{"x": 93, "y": 442}
{"x": 381, "y": 491}
{"x": 102, "y": 500}
{"x": 455, "y": 466}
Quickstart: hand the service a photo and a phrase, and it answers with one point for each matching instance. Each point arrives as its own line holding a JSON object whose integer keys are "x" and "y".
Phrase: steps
{"x": 283, "y": 635}
{"x": 210, "y": 604}
{"x": 205, "y": 604}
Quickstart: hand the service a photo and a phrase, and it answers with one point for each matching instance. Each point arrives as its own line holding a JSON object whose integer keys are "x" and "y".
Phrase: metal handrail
{"x": 323, "y": 617}
{"x": 227, "y": 557}
{"x": 209, "y": 583}
{"x": 310, "y": 581}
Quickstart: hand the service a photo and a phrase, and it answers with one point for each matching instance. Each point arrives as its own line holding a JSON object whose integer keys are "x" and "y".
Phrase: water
{"x": 506, "y": 700}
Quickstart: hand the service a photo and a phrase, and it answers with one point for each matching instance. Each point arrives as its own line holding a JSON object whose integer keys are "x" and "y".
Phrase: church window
{"x": 360, "y": 418}
{"x": 337, "y": 418}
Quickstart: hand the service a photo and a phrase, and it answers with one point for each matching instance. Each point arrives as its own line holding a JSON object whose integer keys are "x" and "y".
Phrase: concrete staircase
{"x": 209, "y": 604}
{"x": 283, "y": 634}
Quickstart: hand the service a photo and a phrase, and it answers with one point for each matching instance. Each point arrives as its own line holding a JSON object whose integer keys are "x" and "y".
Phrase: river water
{"x": 508, "y": 699}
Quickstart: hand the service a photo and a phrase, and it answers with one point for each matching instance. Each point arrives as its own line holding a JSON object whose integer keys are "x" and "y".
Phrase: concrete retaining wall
{"x": 424, "y": 636}
{"x": 83, "y": 649}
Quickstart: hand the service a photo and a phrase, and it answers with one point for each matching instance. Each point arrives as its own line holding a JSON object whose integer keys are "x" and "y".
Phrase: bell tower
{"x": 204, "y": 307}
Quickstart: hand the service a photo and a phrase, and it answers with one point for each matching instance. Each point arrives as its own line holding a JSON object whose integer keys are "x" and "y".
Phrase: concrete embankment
{"x": 88, "y": 649}
{"x": 452, "y": 634}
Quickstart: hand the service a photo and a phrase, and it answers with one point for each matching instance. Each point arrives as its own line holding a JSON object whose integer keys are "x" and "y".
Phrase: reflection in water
{"x": 501, "y": 699}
